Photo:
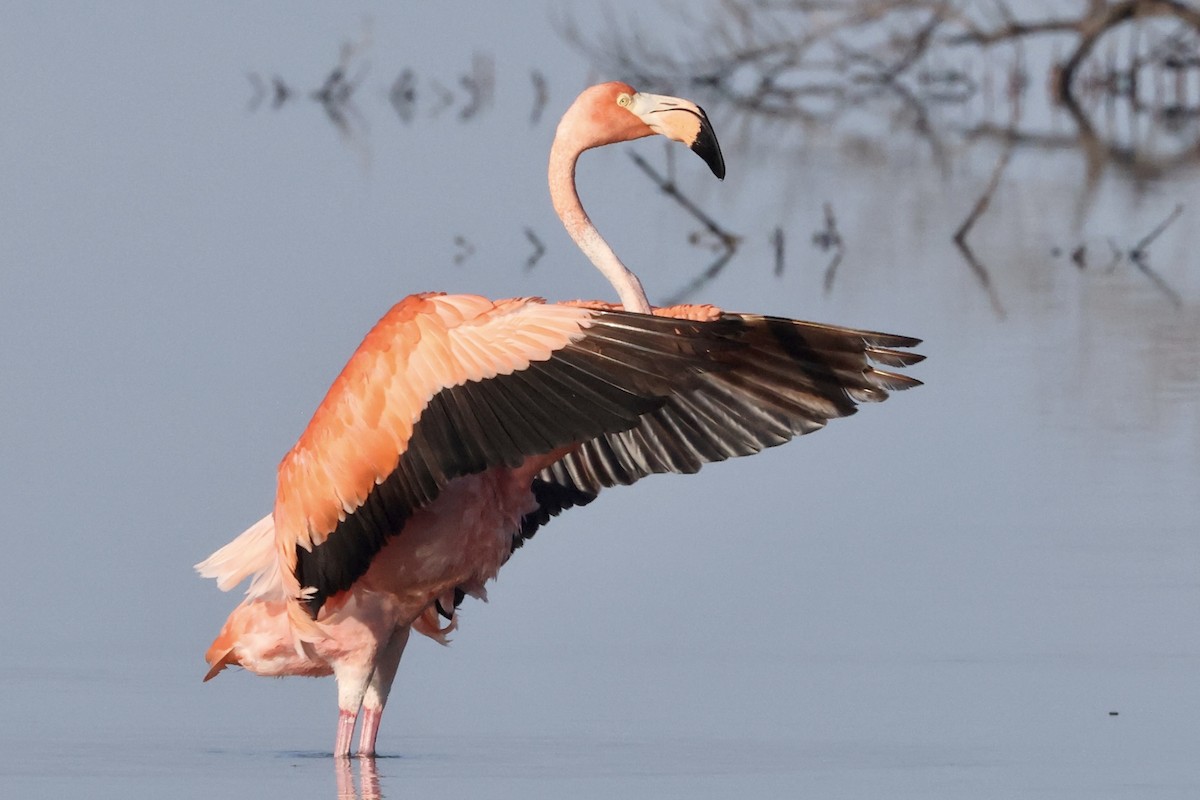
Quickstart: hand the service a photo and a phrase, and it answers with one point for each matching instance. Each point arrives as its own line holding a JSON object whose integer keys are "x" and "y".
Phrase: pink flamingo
{"x": 461, "y": 424}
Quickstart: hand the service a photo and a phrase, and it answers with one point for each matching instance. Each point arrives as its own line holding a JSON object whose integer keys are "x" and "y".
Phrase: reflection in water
{"x": 336, "y": 94}
{"x": 803, "y": 62}
{"x": 1121, "y": 77}
{"x": 796, "y": 64}
{"x": 1139, "y": 256}
{"x": 1125, "y": 86}
{"x": 1114, "y": 85}
{"x": 725, "y": 243}
{"x": 539, "y": 249}
{"x": 476, "y": 90}
{"x": 1136, "y": 256}
{"x": 368, "y": 779}
{"x": 981, "y": 206}
{"x": 828, "y": 239}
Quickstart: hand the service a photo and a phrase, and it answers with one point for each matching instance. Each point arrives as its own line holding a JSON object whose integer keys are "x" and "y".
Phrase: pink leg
{"x": 345, "y": 731}
{"x": 376, "y": 694}
{"x": 352, "y": 679}
{"x": 370, "y": 729}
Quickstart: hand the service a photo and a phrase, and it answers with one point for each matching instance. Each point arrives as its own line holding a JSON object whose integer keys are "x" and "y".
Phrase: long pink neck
{"x": 564, "y": 153}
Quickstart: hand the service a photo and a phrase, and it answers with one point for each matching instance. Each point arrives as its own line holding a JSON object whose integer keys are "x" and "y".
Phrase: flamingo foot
{"x": 345, "y": 732}
{"x": 370, "y": 729}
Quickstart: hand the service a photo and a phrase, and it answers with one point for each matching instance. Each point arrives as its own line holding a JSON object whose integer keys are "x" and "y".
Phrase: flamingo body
{"x": 461, "y": 425}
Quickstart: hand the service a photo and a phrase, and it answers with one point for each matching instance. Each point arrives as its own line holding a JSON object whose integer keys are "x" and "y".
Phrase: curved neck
{"x": 563, "y": 156}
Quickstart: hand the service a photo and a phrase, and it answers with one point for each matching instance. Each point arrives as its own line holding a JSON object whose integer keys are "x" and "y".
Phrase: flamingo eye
{"x": 623, "y": 99}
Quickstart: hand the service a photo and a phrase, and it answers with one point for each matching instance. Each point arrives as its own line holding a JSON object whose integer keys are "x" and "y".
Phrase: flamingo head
{"x": 259, "y": 636}
{"x": 616, "y": 112}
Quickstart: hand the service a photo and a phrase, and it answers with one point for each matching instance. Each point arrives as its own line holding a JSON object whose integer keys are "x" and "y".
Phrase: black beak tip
{"x": 707, "y": 147}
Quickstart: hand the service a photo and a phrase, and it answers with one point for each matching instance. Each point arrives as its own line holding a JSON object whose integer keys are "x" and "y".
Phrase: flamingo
{"x": 461, "y": 425}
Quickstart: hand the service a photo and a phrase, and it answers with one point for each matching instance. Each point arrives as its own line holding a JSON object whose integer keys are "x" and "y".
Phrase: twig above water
{"x": 539, "y": 249}
{"x": 1139, "y": 250}
{"x": 541, "y": 96}
{"x": 479, "y": 84}
{"x": 671, "y": 189}
{"x": 465, "y": 249}
{"x": 280, "y": 91}
{"x": 727, "y": 242}
{"x": 1139, "y": 254}
{"x": 403, "y": 95}
{"x": 985, "y": 198}
{"x": 777, "y": 243}
{"x": 827, "y": 239}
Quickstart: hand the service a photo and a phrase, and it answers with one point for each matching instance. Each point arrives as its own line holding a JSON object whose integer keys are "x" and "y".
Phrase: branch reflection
{"x": 952, "y": 74}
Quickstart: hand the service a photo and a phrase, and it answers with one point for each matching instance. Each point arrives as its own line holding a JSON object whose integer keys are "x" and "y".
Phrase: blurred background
{"x": 985, "y": 587}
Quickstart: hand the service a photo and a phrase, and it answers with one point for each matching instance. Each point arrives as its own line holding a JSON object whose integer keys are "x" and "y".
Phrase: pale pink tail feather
{"x": 252, "y": 553}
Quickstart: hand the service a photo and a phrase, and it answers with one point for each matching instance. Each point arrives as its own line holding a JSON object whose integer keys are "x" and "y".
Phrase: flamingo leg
{"x": 380, "y": 685}
{"x": 352, "y": 680}
{"x": 345, "y": 732}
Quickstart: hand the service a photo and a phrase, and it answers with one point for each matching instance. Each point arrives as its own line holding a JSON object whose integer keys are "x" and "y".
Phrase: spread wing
{"x": 451, "y": 385}
{"x": 781, "y": 378}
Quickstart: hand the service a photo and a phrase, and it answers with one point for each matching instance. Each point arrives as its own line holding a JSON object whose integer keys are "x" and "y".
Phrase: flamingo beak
{"x": 220, "y": 662}
{"x": 683, "y": 121}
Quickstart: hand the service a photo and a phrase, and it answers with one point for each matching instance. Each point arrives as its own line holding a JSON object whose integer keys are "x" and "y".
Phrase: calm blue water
{"x": 947, "y": 596}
